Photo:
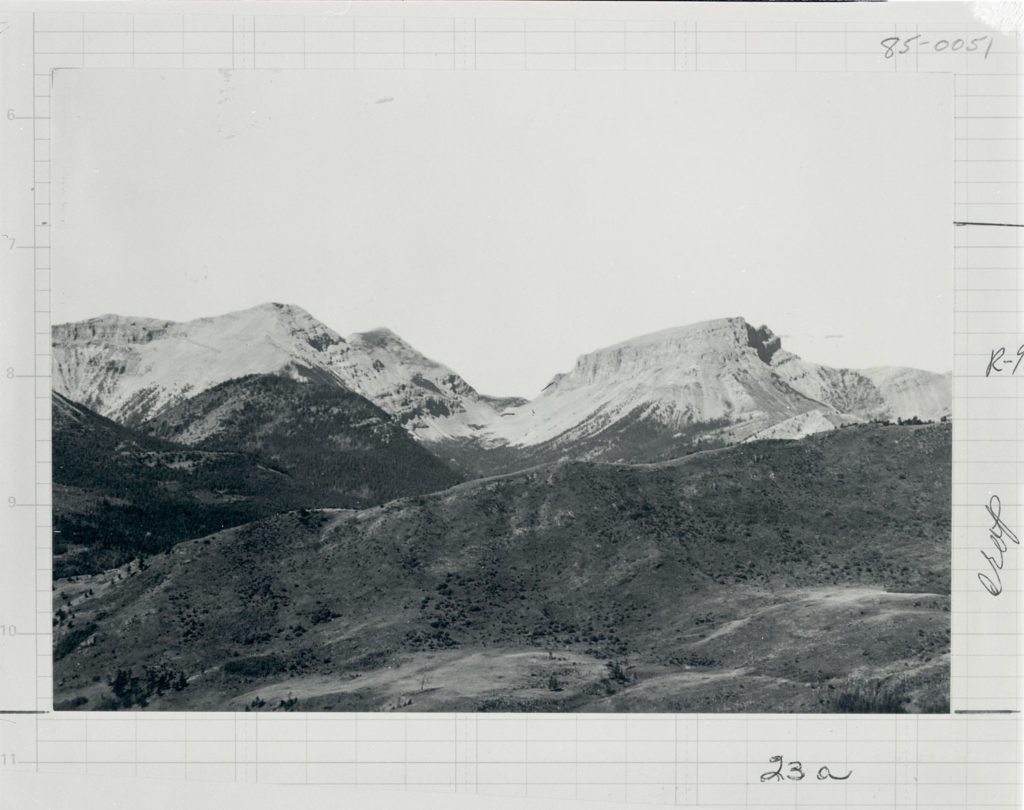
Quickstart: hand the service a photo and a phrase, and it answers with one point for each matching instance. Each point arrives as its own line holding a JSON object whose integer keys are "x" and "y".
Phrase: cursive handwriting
{"x": 998, "y": 361}
{"x": 999, "y": 533}
{"x": 795, "y": 772}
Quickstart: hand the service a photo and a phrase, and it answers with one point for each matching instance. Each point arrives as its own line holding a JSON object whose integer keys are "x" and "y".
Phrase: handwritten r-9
{"x": 794, "y": 772}
{"x": 998, "y": 362}
{"x": 899, "y": 46}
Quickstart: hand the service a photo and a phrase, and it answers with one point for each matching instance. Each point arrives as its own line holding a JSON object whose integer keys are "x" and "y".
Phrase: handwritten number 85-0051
{"x": 897, "y": 46}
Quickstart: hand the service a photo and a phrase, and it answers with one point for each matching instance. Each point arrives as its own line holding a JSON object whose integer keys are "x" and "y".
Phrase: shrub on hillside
{"x": 865, "y": 699}
{"x": 131, "y": 690}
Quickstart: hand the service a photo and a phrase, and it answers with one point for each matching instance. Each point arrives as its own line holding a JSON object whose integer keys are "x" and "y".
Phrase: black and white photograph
{"x": 501, "y": 392}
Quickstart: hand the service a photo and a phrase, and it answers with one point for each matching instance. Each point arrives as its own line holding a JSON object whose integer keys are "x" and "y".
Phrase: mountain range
{"x": 645, "y": 399}
{"x": 252, "y": 511}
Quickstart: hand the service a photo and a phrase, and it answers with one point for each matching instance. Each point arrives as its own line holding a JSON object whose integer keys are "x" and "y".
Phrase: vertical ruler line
{"x": 40, "y": 313}
{"x": 35, "y": 415}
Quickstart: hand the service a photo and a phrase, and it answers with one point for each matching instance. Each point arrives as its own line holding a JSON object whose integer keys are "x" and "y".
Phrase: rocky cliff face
{"x": 720, "y": 370}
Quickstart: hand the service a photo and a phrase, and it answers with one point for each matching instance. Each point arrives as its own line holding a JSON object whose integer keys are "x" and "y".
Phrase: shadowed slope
{"x": 240, "y": 451}
{"x": 352, "y": 452}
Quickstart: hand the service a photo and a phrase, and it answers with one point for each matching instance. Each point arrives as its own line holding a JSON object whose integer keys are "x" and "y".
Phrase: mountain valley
{"x": 253, "y": 512}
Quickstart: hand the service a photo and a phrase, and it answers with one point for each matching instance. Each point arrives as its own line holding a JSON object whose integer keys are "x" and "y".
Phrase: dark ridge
{"x": 321, "y": 342}
{"x": 423, "y": 382}
{"x": 378, "y": 338}
{"x": 764, "y": 341}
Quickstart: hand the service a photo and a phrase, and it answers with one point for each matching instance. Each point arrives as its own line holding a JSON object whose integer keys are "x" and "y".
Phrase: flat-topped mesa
{"x": 718, "y": 371}
{"x": 709, "y": 343}
{"x": 722, "y": 331}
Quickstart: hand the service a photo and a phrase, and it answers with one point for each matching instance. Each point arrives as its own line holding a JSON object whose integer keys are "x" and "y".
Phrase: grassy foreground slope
{"x": 808, "y": 575}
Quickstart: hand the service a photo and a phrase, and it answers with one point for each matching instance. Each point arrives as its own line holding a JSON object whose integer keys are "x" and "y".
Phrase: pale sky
{"x": 504, "y": 223}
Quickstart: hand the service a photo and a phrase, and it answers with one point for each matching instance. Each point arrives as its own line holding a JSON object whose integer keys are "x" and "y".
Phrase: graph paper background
{"x": 969, "y": 758}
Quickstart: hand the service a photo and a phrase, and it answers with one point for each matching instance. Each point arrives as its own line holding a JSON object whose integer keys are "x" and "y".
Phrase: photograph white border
{"x": 968, "y": 758}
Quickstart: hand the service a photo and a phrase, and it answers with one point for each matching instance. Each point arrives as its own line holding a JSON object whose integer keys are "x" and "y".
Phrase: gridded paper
{"x": 970, "y": 758}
